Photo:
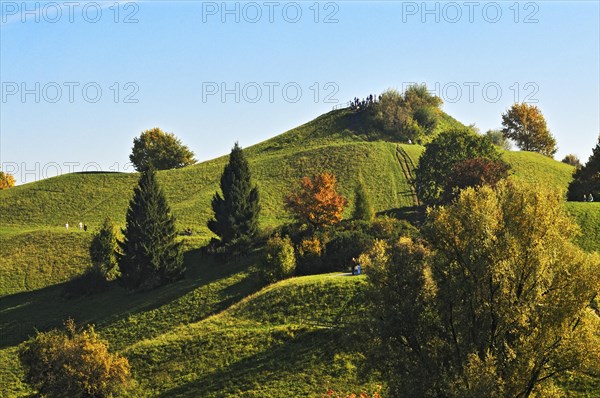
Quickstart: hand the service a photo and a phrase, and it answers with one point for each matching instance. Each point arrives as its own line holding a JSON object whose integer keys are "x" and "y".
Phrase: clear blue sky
{"x": 173, "y": 56}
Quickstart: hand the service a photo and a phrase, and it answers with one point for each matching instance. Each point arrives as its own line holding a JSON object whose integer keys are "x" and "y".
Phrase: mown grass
{"x": 272, "y": 344}
{"x": 587, "y": 216}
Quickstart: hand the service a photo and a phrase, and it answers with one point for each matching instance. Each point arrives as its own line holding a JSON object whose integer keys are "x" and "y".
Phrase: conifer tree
{"x": 362, "y": 203}
{"x": 586, "y": 180}
{"x": 236, "y": 208}
{"x": 103, "y": 250}
{"x": 151, "y": 256}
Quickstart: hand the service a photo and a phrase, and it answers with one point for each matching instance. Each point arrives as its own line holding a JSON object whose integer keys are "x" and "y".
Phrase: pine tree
{"x": 151, "y": 256}
{"x": 362, "y": 204}
{"x": 237, "y": 207}
{"x": 586, "y": 180}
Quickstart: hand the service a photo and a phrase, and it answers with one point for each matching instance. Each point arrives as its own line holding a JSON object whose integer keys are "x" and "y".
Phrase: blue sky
{"x": 80, "y": 80}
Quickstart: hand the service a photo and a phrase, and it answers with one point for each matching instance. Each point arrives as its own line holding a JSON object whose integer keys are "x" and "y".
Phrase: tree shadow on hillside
{"x": 297, "y": 357}
{"x": 23, "y": 313}
{"x": 416, "y": 215}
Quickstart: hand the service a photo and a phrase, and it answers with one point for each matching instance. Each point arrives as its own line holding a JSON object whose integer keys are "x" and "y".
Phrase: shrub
{"x": 73, "y": 363}
{"x": 280, "y": 259}
{"x": 310, "y": 251}
{"x": 474, "y": 173}
{"x": 343, "y": 247}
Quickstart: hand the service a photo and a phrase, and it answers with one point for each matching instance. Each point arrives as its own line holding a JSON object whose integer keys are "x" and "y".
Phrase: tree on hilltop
{"x": 525, "y": 124}
{"x": 159, "y": 150}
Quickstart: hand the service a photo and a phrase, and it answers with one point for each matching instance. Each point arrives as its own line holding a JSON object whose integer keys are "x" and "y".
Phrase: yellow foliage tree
{"x": 73, "y": 363}
{"x": 497, "y": 303}
{"x": 6, "y": 181}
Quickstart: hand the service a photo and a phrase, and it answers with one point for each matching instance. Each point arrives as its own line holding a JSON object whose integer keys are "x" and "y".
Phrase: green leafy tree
{"x": 572, "y": 160}
{"x": 237, "y": 208}
{"x": 103, "y": 250}
{"x": 412, "y": 115}
{"x": 73, "y": 363}
{"x": 150, "y": 253}
{"x": 363, "y": 210}
{"x": 442, "y": 154}
{"x": 496, "y": 303}
{"x": 586, "y": 180}
{"x": 160, "y": 150}
{"x": 497, "y": 138}
{"x": 525, "y": 124}
{"x": 280, "y": 259}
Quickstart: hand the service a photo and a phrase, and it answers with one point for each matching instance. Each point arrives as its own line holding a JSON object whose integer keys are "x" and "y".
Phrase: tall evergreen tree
{"x": 237, "y": 207}
{"x": 586, "y": 180}
{"x": 362, "y": 204}
{"x": 151, "y": 256}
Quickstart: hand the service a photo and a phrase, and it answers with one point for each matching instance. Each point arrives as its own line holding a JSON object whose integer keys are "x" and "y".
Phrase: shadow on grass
{"x": 415, "y": 215}
{"x": 281, "y": 367}
{"x": 23, "y": 313}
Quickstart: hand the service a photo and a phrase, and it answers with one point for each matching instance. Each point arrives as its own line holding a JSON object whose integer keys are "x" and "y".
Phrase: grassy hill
{"x": 218, "y": 332}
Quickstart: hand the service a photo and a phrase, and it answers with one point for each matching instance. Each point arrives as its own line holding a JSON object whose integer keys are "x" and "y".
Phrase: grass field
{"x": 220, "y": 332}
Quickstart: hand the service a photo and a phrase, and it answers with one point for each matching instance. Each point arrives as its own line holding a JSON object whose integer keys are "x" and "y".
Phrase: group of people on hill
{"x": 82, "y": 226}
{"x": 588, "y": 198}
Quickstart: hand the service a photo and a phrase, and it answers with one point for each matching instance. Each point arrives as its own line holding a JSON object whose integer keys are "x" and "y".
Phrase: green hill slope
{"x": 33, "y": 215}
{"x": 217, "y": 332}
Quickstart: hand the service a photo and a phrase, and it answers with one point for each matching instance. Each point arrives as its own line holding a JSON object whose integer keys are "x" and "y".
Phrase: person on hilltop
{"x": 67, "y": 226}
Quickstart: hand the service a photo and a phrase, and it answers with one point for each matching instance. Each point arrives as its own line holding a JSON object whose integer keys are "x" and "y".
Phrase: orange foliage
{"x": 317, "y": 201}
{"x": 6, "y": 180}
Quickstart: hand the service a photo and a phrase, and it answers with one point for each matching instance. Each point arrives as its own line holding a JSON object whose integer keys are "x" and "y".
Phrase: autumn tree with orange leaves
{"x": 316, "y": 201}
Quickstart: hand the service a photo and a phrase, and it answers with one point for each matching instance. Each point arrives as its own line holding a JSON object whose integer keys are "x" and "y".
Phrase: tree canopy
{"x": 316, "y": 201}
{"x": 495, "y": 303}
{"x": 441, "y": 155}
{"x": 160, "y": 150}
{"x": 6, "y": 180}
{"x": 525, "y": 124}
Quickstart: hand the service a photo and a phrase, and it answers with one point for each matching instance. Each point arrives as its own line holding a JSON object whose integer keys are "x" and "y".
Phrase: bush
{"x": 343, "y": 248}
{"x": 73, "y": 363}
{"x": 310, "y": 251}
{"x": 474, "y": 173}
{"x": 280, "y": 259}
